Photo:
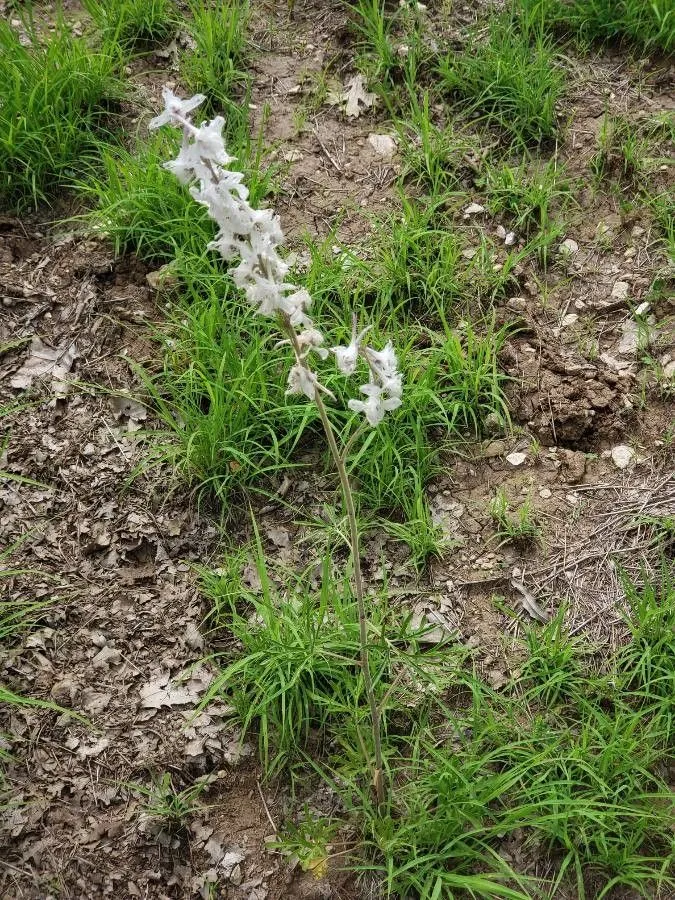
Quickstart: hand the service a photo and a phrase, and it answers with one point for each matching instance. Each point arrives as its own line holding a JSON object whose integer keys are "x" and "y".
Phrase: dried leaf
{"x": 528, "y": 602}
{"x": 43, "y": 361}
{"x": 356, "y": 96}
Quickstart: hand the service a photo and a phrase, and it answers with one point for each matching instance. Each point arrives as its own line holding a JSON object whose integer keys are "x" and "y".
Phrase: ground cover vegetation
{"x": 555, "y": 783}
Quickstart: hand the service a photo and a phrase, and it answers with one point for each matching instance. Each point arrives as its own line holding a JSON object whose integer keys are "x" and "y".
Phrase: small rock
{"x": 510, "y": 239}
{"x": 569, "y": 319}
{"x": 516, "y": 458}
{"x": 617, "y": 365}
{"x": 517, "y": 304}
{"x": 473, "y": 209}
{"x": 569, "y": 247}
{"x": 622, "y": 456}
{"x": 630, "y": 339}
{"x": 383, "y": 144}
{"x": 620, "y": 290}
{"x": 493, "y": 449}
{"x": 545, "y": 493}
{"x": 669, "y": 369}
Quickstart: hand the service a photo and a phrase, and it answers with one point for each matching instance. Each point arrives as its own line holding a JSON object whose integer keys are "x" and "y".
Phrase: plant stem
{"x": 354, "y": 540}
{"x": 378, "y": 776}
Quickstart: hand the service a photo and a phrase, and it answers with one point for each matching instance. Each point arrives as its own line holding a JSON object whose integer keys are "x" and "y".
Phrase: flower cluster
{"x": 253, "y": 236}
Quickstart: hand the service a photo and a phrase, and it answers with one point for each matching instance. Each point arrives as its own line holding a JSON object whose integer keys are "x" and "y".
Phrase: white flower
{"x": 175, "y": 107}
{"x": 312, "y": 339}
{"x": 385, "y": 387}
{"x": 210, "y": 144}
{"x": 252, "y": 237}
{"x": 346, "y": 357}
{"x": 383, "y": 362}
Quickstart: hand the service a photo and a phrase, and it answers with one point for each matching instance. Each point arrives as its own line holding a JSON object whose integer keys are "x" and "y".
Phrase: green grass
{"x": 648, "y": 23}
{"x": 622, "y": 152}
{"x": 510, "y": 78}
{"x": 518, "y": 525}
{"x": 555, "y": 787}
{"x": 215, "y": 66}
{"x": 298, "y": 664}
{"x": 570, "y": 773}
{"x": 59, "y": 101}
{"x": 133, "y": 23}
{"x": 532, "y": 195}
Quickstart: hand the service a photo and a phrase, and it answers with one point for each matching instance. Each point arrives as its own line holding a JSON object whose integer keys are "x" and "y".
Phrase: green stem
{"x": 354, "y": 540}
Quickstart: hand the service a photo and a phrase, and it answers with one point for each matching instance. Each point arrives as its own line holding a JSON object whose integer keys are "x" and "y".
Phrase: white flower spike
{"x": 249, "y": 238}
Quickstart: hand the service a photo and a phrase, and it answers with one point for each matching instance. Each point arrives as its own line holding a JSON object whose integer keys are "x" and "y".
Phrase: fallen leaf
{"x": 528, "y": 602}
{"x": 356, "y": 97}
{"x": 43, "y": 361}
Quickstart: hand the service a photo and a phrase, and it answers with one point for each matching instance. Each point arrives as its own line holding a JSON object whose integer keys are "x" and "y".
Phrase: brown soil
{"x": 121, "y": 641}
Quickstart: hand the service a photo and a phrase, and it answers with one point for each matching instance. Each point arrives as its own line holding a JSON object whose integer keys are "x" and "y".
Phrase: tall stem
{"x": 354, "y": 540}
{"x": 378, "y": 776}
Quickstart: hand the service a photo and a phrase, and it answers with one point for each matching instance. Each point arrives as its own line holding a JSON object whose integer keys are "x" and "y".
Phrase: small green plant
{"x": 374, "y": 26}
{"x": 622, "y": 152}
{"x": 299, "y": 668}
{"x": 215, "y": 65}
{"x": 173, "y": 808}
{"x": 310, "y": 841}
{"x": 531, "y": 196}
{"x": 511, "y": 78}
{"x": 133, "y": 23}
{"x": 553, "y": 669}
{"x": 520, "y": 525}
{"x": 426, "y": 540}
{"x": 59, "y": 100}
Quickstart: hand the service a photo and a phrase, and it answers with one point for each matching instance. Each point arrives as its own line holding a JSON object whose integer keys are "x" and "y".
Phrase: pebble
{"x": 493, "y": 449}
{"x": 622, "y": 456}
{"x": 545, "y": 493}
{"x": 473, "y": 209}
{"x": 383, "y": 144}
{"x": 569, "y": 246}
{"x": 620, "y": 290}
{"x": 517, "y": 304}
{"x": 630, "y": 339}
{"x": 516, "y": 458}
{"x": 669, "y": 369}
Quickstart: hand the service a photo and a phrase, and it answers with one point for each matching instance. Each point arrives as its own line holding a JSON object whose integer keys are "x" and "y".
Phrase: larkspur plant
{"x": 253, "y": 237}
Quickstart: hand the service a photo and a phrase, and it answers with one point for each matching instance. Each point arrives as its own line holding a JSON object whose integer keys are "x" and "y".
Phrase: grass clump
{"x": 133, "y": 23}
{"x": 518, "y": 525}
{"x": 56, "y": 111}
{"x": 511, "y": 79}
{"x": 214, "y": 66}
{"x": 568, "y": 768}
{"x": 298, "y": 679}
{"x": 648, "y": 23}
{"x": 532, "y": 197}
{"x": 622, "y": 152}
